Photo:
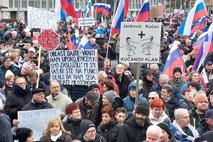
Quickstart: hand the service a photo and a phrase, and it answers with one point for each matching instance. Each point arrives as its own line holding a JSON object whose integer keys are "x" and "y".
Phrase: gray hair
{"x": 179, "y": 112}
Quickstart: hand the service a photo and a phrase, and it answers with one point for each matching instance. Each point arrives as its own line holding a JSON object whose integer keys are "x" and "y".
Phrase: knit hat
{"x": 92, "y": 96}
{"x": 110, "y": 95}
{"x": 177, "y": 69}
{"x": 85, "y": 125}
{"x": 209, "y": 114}
{"x": 200, "y": 97}
{"x": 165, "y": 127}
{"x": 22, "y": 134}
{"x": 142, "y": 108}
{"x": 132, "y": 85}
{"x": 92, "y": 86}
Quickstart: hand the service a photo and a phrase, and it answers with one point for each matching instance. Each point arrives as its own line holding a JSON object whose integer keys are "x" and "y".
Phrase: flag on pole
{"x": 85, "y": 44}
{"x": 207, "y": 46}
{"x": 143, "y": 15}
{"x": 119, "y": 16}
{"x": 198, "y": 11}
{"x": 174, "y": 59}
{"x": 199, "y": 25}
{"x": 102, "y": 7}
{"x": 68, "y": 8}
{"x": 58, "y": 11}
{"x": 88, "y": 12}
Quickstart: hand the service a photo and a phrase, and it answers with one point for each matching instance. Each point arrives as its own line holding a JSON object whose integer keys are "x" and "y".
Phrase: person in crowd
{"x": 153, "y": 134}
{"x": 32, "y": 81}
{"x": 148, "y": 82}
{"x": 177, "y": 79}
{"x": 201, "y": 106}
{"x": 57, "y": 99}
{"x": 188, "y": 97}
{"x": 9, "y": 81}
{"x": 108, "y": 128}
{"x": 95, "y": 88}
{"x": 24, "y": 135}
{"x": 17, "y": 98}
{"x": 55, "y": 132}
{"x": 209, "y": 68}
{"x": 121, "y": 115}
{"x": 73, "y": 120}
{"x": 181, "y": 127}
{"x": 2, "y": 93}
{"x": 210, "y": 97}
{"x": 101, "y": 77}
{"x": 207, "y": 123}
{"x": 157, "y": 114}
{"x": 134, "y": 129}
{"x": 5, "y": 125}
{"x": 7, "y": 65}
{"x": 122, "y": 80}
{"x": 166, "y": 133}
{"x": 109, "y": 84}
{"x": 129, "y": 101}
{"x": 38, "y": 101}
{"x": 155, "y": 71}
{"x": 152, "y": 95}
{"x": 25, "y": 70}
{"x": 89, "y": 105}
{"x": 89, "y": 133}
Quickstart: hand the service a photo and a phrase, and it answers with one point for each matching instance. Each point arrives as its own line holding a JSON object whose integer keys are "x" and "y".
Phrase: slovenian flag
{"x": 143, "y": 15}
{"x": 173, "y": 60}
{"x": 120, "y": 14}
{"x": 102, "y": 7}
{"x": 85, "y": 44}
{"x": 198, "y": 11}
{"x": 88, "y": 12}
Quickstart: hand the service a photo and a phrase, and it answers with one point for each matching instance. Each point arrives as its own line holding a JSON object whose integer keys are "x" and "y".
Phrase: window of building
{"x": 31, "y": 3}
{"x": 37, "y": 3}
{"x": 43, "y": 4}
{"x": 10, "y": 3}
{"x": 50, "y": 3}
{"x": 24, "y": 3}
{"x": 13, "y": 15}
{"x": 17, "y": 3}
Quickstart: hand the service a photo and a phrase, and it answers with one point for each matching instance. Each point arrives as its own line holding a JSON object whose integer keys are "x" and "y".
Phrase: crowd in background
{"x": 168, "y": 109}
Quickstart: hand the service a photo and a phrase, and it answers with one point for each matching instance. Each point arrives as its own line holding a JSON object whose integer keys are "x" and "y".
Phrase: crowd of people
{"x": 163, "y": 109}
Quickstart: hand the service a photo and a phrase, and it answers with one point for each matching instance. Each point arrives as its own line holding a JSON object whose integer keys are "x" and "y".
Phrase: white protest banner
{"x": 140, "y": 42}
{"x": 79, "y": 67}
{"x": 37, "y": 120}
{"x": 90, "y": 21}
{"x": 39, "y": 18}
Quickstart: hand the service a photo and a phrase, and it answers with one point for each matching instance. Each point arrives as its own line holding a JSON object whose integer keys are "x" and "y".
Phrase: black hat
{"x": 22, "y": 134}
{"x": 177, "y": 69}
{"x": 85, "y": 125}
{"x": 92, "y": 96}
{"x": 142, "y": 108}
{"x": 165, "y": 127}
{"x": 92, "y": 86}
{"x": 209, "y": 114}
{"x": 37, "y": 90}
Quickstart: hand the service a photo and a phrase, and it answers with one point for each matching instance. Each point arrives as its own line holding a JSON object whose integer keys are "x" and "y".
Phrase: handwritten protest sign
{"x": 37, "y": 120}
{"x": 77, "y": 67}
{"x": 38, "y": 18}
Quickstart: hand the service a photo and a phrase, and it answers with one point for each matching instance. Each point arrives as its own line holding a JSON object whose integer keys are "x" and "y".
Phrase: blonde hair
{"x": 52, "y": 122}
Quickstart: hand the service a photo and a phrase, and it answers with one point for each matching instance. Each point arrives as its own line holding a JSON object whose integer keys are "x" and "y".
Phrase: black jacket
{"x": 98, "y": 138}
{"x": 16, "y": 100}
{"x": 35, "y": 106}
{"x": 109, "y": 131}
{"x": 5, "y": 128}
{"x": 132, "y": 132}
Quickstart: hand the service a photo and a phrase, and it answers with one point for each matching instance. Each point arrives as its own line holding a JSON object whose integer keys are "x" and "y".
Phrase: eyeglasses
{"x": 91, "y": 131}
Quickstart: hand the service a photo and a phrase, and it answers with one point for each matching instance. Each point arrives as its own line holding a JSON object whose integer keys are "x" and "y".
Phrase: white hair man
{"x": 153, "y": 134}
{"x": 181, "y": 127}
{"x": 58, "y": 99}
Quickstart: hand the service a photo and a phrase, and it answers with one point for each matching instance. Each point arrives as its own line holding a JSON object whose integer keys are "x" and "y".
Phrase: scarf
{"x": 54, "y": 138}
{"x": 180, "y": 135}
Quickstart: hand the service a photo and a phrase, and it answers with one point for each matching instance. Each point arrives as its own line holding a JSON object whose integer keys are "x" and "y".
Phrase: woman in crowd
{"x": 108, "y": 127}
{"x": 55, "y": 132}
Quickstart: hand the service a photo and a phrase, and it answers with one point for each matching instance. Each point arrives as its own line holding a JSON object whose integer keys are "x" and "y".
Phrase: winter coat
{"x": 76, "y": 91}
{"x": 5, "y": 128}
{"x": 88, "y": 113}
{"x": 109, "y": 131}
{"x": 3, "y": 71}
{"x": 171, "y": 105}
{"x": 16, "y": 100}
{"x": 98, "y": 138}
{"x": 203, "y": 128}
{"x": 35, "y": 106}
{"x": 63, "y": 138}
{"x": 196, "y": 118}
{"x": 162, "y": 118}
{"x": 122, "y": 85}
{"x": 131, "y": 131}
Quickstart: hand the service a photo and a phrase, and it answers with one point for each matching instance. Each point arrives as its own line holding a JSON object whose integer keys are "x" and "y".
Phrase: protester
{"x": 153, "y": 134}
{"x": 24, "y": 135}
{"x": 121, "y": 115}
{"x": 55, "y": 132}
